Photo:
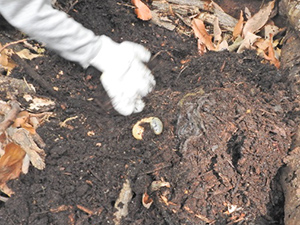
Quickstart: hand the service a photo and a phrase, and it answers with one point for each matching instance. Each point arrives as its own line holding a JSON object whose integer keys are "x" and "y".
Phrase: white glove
{"x": 125, "y": 77}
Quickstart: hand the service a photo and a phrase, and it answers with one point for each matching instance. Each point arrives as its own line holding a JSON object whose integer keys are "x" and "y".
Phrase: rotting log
{"x": 290, "y": 174}
{"x": 290, "y": 181}
{"x": 291, "y": 9}
{"x": 290, "y": 56}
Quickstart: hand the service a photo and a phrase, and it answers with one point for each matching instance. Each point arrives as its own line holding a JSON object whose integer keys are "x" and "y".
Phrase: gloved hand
{"x": 125, "y": 77}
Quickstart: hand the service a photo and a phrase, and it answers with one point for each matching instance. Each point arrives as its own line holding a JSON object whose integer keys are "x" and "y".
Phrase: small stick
{"x": 12, "y": 43}
{"x": 33, "y": 74}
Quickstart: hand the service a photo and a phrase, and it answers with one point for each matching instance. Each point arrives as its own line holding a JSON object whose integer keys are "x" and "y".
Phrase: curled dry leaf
{"x": 141, "y": 10}
{"x": 23, "y": 120}
{"x": 26, "y": 54}
{"x": 5, "y": 59}
{"x": 271, "y": 55}
{"x": 10, "y": 165}
{"x": 238, "y": 27}
{"x": 259, "y": 19}
{"x": 201, "y": 33}
{"x": 147, "y": 201}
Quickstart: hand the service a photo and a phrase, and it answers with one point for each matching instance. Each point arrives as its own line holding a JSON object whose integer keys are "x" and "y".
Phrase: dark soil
{"x": 227, "y": 126}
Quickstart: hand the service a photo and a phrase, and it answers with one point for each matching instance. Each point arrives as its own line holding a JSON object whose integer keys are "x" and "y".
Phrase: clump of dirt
{"x": 227, "y": 125}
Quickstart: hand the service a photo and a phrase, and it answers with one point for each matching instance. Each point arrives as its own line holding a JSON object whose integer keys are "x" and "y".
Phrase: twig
{"x": 34, "y": 75}
{"x": 12, "y": 43}
{"x": 72, "y": 6}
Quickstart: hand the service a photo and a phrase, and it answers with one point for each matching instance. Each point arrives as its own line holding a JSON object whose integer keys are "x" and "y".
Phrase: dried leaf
{"x": 259, "y": 19}
{"x": 222, "y": 46}
{"x": 238, "y": 27}
{"x": 201, "y": 33}
{"x": 23, "y": 138}
{"x": 271, "y": 29}
{"x": 21, "y": 118}
{"x": 262, "y": 44}
{"x": 147, "y": 201}
{"x": 5, "y": 60}
{"x": 271, "y": 55}
{"x": 26, "y": 54}
{"x": 217, "y": 31}
{"x": 10, "y": 165}
{"x": 201, "y": 47}
{"x": 248, "y": 42}
{"x": 142, "y": 11}
{"x": 23, "y": 121}
{"x": 247, "y": 13}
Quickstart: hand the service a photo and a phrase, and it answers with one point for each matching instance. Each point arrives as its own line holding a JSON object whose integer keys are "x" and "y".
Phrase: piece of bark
{"x": 15, "y": 86}
{"x": 157, "y": 20}
{"x": 290, "y": 56}
{"x": 291, "y": 10}
{"x": 290, "y": 181}
{"x": 201, "y": 4}
{"x": 226, "y": 22}
{"x": 165, "y": 7}
{"x": 23, "y": 138}
{"x": 212, "y": 11}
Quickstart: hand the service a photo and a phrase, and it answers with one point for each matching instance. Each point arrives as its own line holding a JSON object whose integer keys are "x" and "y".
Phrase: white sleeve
{"x": 39, "y": 20}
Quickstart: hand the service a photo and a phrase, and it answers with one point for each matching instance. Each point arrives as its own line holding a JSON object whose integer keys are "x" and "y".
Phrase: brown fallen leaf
{"x": 248, "y": 42}
{"x": 201, "y": 33}
{"x": 23, "y": 121}
{"x": 147, "y": 201}
{"x": 238, "y": 27}
{"x": 201, "y": 47}
{"x": 271, "y": 55}
{"x": 259, "y": 19}
{"x": 141, "y": 10}
{"x": 26, "y": 54}
{"x": 10, "y": 165}
{"x": 217, "y": 31}
{"x": 5, "y": 59}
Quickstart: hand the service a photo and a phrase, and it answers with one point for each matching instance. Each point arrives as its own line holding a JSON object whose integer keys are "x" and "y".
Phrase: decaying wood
{"x": 290, "y": 56}
{"x": 290, "y": 181}
{"x": 33, "y": 74}
{"x": 291, "y": 9}
{"x": 31, "y": 143}
{"x": 204, "y": 5}
{"x": 165, "y": 7}
{"x": 226, "y": 21}
{"x": 23, "y": 138}
{"x": 12, "y": 86}
{"x": 209, "y": 12}
{"x": 156, "y": 19}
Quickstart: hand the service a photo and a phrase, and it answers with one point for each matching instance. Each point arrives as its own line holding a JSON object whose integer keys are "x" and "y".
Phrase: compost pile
{"x": 227, "y": 125}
